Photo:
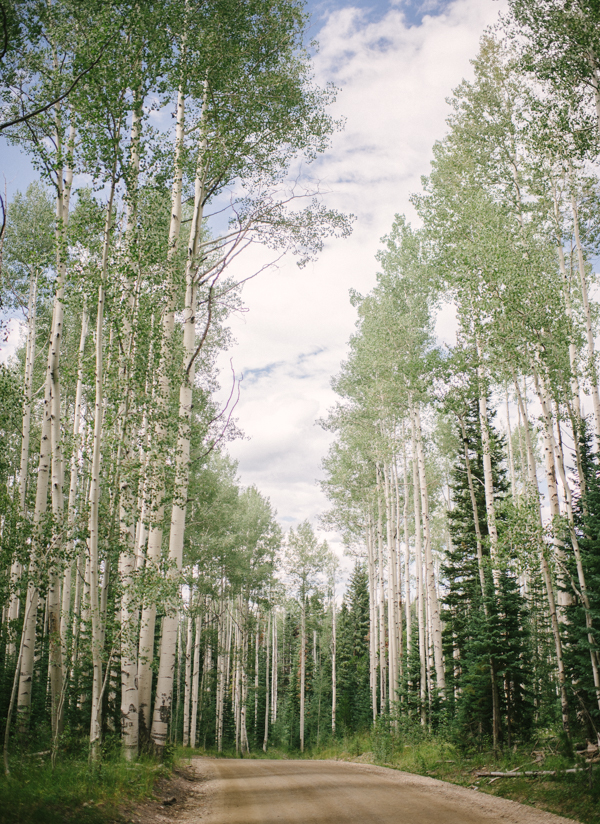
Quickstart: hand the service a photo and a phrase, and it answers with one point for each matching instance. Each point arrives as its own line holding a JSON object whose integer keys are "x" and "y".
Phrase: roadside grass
{"x": 74, "y": 791}
{"x": 574, "y": 796}
{"x": 185, "y": 754}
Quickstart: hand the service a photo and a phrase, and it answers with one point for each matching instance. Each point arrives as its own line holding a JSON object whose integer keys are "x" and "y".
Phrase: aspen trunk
{"x": 195, "y": 681}
{"x": 302, "y": 670}
{"x": 73, "y": 481}
{"x": 127, "y": 559}
{"x": 274, "y": 671}
{"x": 432, "y": 599}
{"x": 419, "y": 584}
{"x": 182, "y": 458}
{"x": 559, "y": 462}
{"x": 256, "y": 680}
{"x": 392, "y": 595}
{"x": 545, "y": 567}
{"x": 333, "y": 660}
{"x": 245, "y": 746}
{"x": 50, "y": 461}
{"x": 98, "y": 610}
{"x": 478, "y": 537}
{"x": 237, "y": 688}
{"x": 381, "y": 607}
{"x": 155, "y": 483}
{"x": 408, "y": 617}
{"x": 221, "y": 635}
{"x": 56, "y": 655}
{"x": 372, "y": 619}
{"x": 589, "y": 327}
{"x": 573, "y": 355}
{"x": 16, "y": 569}
{"x": 488, "y": 481}
{"x": 511, "y": 457}
{"x": 187, "y": 680}
{"x": 267, "y": 663}
{"x": 398, "y": 551}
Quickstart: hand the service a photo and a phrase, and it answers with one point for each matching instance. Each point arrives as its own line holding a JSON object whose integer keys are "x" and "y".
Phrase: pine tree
{"x": 485, "y": 613}
{"x": 577, "y": 635}
{"x": 354, "y": 699}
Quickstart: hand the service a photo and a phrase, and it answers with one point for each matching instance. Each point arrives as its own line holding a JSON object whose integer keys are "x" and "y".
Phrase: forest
{"x": 149, "y": 600}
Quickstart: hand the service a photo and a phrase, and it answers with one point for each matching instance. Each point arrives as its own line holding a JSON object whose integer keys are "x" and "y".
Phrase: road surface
{"x": 235, "y": 791}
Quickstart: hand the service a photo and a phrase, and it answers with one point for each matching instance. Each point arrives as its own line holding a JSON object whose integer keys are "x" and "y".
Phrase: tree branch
{"x": 24, "y": 118}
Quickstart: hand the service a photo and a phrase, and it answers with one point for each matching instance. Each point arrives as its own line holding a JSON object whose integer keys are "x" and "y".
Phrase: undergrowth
{"x": 74, "y": 791}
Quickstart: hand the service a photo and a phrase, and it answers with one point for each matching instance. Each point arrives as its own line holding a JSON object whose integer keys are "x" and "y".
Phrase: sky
{"x": 395, "y": 63}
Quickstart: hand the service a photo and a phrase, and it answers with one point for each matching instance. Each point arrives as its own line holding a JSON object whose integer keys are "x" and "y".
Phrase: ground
{"x": 234, "y": 791}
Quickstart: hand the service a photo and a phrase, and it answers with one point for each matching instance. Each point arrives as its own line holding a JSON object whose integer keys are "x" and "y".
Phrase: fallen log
{"x": 528, "y": 773}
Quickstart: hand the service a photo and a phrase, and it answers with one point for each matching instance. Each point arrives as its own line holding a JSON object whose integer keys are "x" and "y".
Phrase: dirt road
{"x": 335, "y": 792}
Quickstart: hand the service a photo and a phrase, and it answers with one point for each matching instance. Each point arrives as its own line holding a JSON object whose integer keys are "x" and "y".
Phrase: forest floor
{"x": 108, "y": 793}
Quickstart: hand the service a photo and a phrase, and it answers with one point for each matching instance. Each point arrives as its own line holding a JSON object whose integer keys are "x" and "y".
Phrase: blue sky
{"x": 413, "y": 10}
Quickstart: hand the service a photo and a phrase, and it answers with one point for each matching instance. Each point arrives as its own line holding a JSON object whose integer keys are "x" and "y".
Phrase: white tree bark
{"x": 372, "y": 618}
{"x": 488, "y": 480}
{"x": 50, "y": 461}
{"x": 559, "y": 463}
{"x": 16, "y": 569}
{"x": 432, "y": 598}
{"x": 302, "y": 669}
{"x": 196, "y": 681}
{"x": 381, "y": 616}
{"x": 545, "y": 567}
{"x": 97, "y": 609}
{"x": 333, "y": 659}
{"x": 274, "y": 671}
{"x": 408, "y": 616}
{"x": 392, "y": 588}
{"x": 592, "y": 370}
{"x": 267, "y": 664}
{"x": 187, "y": 686}
{"x": 155, "y": 488}
{"x": 127, "y": 559}
{"x": 164, "y": 686}
{"x": 419, "y": 582}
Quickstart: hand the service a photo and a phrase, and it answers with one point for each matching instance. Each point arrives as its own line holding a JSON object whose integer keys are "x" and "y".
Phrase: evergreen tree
{"x": 485, "y": 613}
{"x": 579, "y": 637}
{"x": 354, "y": 700}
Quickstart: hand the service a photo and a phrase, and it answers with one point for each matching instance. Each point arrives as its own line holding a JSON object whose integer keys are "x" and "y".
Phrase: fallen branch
{"x": 528, "y": 772}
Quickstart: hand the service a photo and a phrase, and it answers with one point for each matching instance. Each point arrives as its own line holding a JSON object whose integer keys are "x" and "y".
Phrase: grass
{"x": 574, "y": 796}
{"x": 74, "y": 791}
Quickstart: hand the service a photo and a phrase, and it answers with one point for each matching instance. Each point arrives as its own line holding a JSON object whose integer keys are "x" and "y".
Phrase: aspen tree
{"x": 432, "y": 598}
{"x": 392, "y": 600}
{"x": 196, "y": 680}
{"x": 187, "y": 681}
{"x": 372, "y": 618}
{"x": 27, "y": 251}
{"x": 50, "y": 457}
{"x": 305, "y": 560}
{"x": 267, "y": 664}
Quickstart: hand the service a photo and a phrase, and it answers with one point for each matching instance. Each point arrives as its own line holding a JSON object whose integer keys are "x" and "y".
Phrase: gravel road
{"x": 335, "y": 792}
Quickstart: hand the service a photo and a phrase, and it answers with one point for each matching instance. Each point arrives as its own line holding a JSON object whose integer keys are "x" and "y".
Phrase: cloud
{"x": 394, "y": 77}
{"x": 13, "y": 337}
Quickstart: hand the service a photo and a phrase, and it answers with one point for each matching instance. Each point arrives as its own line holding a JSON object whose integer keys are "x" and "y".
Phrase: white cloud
{"x": 13, "y": 336}
{"x": 394, "y": 79}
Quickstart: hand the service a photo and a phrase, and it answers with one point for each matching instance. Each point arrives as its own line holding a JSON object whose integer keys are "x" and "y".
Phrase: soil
{"x": 171, "y": 795}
